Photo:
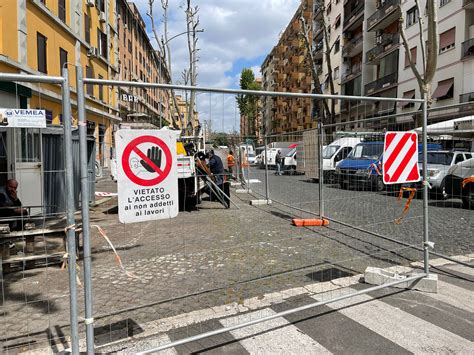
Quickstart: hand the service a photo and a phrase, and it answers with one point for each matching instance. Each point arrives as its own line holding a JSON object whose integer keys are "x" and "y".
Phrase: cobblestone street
{"x": 214, "y": 256}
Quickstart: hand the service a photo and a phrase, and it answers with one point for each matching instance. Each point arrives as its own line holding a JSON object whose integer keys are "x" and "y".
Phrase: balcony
{"x": 352, "y": 15}
{"x": 381, "y": 84}
{"x": 386, "y": 43}
{"x": 468, "y": 48}
{"x": 353, "y": 47}
{"x": 318, "y": 50}
{"x": 464, "y": 98}
{"x": 385, "y": 15}
{"x": 351, "y": 73}
{"x": 297, "y": 59}
{"x": 468, "y": 4}
{"x": 318, "y": 9}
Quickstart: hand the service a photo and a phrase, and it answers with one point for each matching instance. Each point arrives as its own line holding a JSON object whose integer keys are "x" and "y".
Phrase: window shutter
{"x": 447, "y": 38}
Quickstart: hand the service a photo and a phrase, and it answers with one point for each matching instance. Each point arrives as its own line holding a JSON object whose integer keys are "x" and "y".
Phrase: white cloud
{"x": 235, "y": 32}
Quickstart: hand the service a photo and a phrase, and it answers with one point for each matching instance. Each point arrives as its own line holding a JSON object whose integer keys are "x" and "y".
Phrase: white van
{"x": 334, "y": 153}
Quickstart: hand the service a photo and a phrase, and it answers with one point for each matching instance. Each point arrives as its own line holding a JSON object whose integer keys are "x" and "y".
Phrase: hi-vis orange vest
{"x": 230, "y": 160}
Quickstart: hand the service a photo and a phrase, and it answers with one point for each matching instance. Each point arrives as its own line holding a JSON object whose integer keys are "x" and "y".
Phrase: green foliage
{"x": 248, "y": 103}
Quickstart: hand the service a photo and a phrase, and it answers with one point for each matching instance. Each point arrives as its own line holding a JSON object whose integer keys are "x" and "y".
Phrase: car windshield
{"x": 366, "y": 151}
{"x": 291, "y": 152}
{"x": 440, "y": 158}
{"x": 251, "y": 155}
{"x": 330, "y": 150}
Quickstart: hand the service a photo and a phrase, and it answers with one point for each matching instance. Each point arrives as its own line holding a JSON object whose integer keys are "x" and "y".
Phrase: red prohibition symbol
{"x": 133, "y": 147}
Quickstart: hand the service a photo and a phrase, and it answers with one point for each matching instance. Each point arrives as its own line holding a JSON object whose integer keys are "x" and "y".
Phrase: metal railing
{"x": 388, "y": 7}
{"x": 353, "y": 13}
{"x": 351, "y": 73}
{"x": 386, "y": 40}
{"x": 351, "y": 44}
{"x": 467, "y": 48}
{"x": 381, "y": 83}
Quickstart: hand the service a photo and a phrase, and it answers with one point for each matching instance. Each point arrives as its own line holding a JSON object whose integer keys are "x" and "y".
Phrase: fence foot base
{"x": 260, "y": 202}
{"x": 377, "y": 276}
{"x": 243, "y": 191}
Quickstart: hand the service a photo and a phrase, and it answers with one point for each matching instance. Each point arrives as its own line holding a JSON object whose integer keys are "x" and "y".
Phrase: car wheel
{"x": 379, "y": 185}
{"x": 468, "y": 198}
{"x": 332, "y": 178}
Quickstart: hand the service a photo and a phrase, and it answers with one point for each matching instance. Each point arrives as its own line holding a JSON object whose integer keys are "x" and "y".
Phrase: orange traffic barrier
{"x": 310, "y": 222}
{"x": 467, "y": 181}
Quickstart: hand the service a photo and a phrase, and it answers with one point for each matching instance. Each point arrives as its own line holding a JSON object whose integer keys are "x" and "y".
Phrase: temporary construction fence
{"x": 222, "y": 260}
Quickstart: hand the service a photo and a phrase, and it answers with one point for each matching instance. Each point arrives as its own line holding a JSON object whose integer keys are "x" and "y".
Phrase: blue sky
{"x": 237, "y": 34}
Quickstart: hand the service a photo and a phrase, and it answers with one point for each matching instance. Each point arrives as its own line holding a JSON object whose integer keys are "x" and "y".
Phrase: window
{"x": 444, "y": 90}
{"x": 328, "y": 9}
{"x": 62, "y": 59}
{"x": 43, "y": 2}
{"x": 101, "y": 90}
{"x": 337, "y": 46}
{"x": 408, "y": 95}
{"x": 443, "y": 2}
{"x": 459, "y": 158}
{"x": 87, "y": 28}
{"x": 336, "y": 73}
{"x": 338, "y": 21}
{"x": 447, "y": 40}
{"x": 100, "y": 5}
{"x": 89, "y": 87}
{"x": 129, "y": 46}
{"x": 41, "y": 52}
{"x": 102, "y": 43}
{"x": 62, "y": 10}
{"x": 412, "y": 16}
{"x": 413, "y": 57}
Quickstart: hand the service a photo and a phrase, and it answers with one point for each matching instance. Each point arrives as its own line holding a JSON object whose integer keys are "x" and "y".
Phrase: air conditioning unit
{"x": 93, "y": 52}
{"x": 90, "y": 3}
{"x": 102, "y": 17}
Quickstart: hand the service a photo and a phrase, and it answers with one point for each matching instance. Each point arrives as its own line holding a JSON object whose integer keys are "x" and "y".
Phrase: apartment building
{"x": 287, "y": 68}
{"x": 41, "y": 37}
{"x": 184, "y": 121}
{"x": 138, "y": 61}
{"x": 453, "y": 82}
{"x": 372, "y": 60}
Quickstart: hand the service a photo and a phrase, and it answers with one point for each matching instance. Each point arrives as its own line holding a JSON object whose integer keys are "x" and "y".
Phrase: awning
{"x": 407, "y": 95}
{"x": 443, "y": 88}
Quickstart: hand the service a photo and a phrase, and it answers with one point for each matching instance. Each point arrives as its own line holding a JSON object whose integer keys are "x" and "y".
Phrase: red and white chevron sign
{"x": 400, "y": 158}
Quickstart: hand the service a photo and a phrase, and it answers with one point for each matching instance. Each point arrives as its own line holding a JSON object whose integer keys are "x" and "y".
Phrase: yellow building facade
{"x": 184, "y": 122}
{"x": 39, "y": 36}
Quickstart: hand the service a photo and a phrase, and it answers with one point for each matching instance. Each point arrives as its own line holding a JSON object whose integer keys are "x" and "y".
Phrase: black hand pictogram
{"x": 154, "y": 154}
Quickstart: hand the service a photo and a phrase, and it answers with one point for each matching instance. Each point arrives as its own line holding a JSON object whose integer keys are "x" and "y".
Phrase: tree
{"x": 429, "y": 50}
{"x": 248, "y": 104}
{"x": 328, "y": 113}
{"x": 164, "y": 48}
{"x": 192, "y": 22}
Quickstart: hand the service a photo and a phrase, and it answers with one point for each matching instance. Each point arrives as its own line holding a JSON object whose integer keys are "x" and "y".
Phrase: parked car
{"x": 357, "y": 168}
{"x": 334, "y": 153}
{"x": 251, "y": 158}
{"x": 438, "y": 165}
{"x": 459, "y": 182}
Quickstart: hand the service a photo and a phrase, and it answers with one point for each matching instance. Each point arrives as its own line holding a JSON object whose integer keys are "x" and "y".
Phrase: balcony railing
{"x": 469, "y": 97}
{"x": 468, "y": 48}
{"x": 381, "y": 83}
{"x": 353, "y": 13}
{"x": 351, "y": 73}
{"x": 385, "y": 42}
{"x": 385, "y": 9}
{"x": 468, "y": 2}
{"x": 318, "y": 47}
{"x": 351, "y": 44}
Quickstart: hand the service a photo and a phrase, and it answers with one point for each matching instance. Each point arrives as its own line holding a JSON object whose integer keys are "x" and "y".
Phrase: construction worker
{"x": 231, "y": 163}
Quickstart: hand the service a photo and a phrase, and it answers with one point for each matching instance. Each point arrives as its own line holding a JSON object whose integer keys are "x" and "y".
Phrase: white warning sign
{"x": 147, "y": 176}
